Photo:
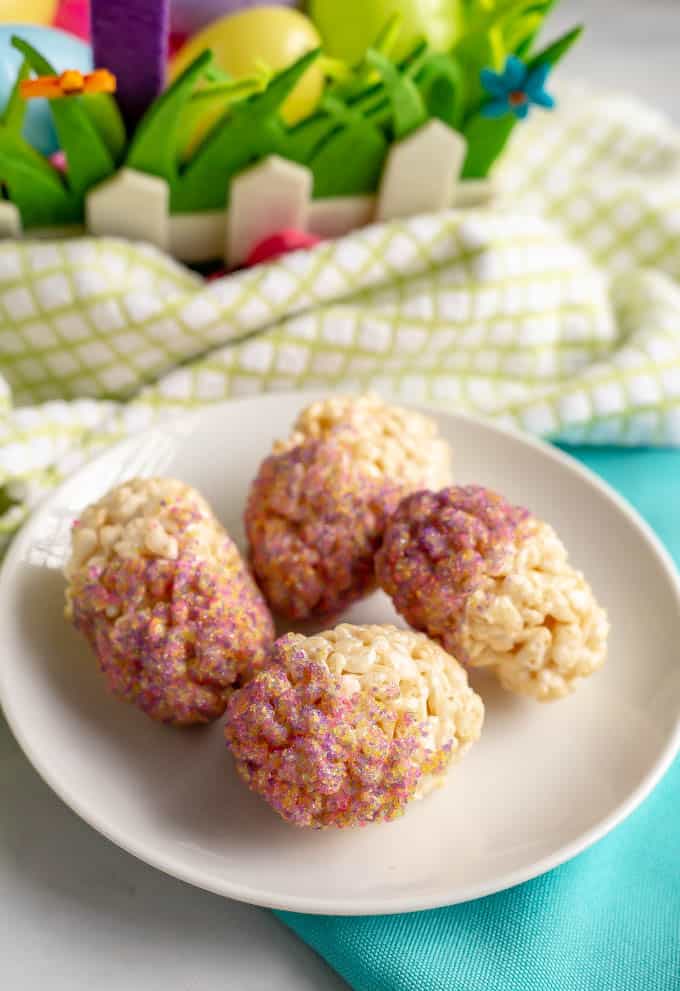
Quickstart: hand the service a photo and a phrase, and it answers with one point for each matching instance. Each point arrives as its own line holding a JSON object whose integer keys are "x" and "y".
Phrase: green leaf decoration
{"x": 441, "y": 82}
{"x": 485, "y": 50}
{"x": 478, "y": 16}
{"x": 356, "y": 79}
{"x": 154, "y": 145}
{"x": 523, "y": 48}
{"x": 89, "y": 159}
{"x": 519, "y": 35}
{"x": 558, "y": 49}
{"x": 487, "y": 137}
{"x": 208, "y": 105}
{"x": 408, "y": 109}
{"x": 103, "y": 111}
{"x": 301, "y": 142}
{"x": 214, "y": 74}
{"x": 250, "y": 131}
{"x": 344, "y": 145}
{"x": 388, "y": 38}
{"x": 34, "y": 186}
{"x": 374, "y": 93}
{"x": 15, "y": 110}
{"x": 350, "y": 162}
{"x": 346, "y": 140}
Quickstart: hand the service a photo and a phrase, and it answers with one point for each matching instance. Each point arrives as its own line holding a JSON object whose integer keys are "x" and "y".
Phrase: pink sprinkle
{"x": 174, "y": 637}
{"x": 314, "y": 520}
{"x": 320, "y": 758}
{"x": 437, "y": 549}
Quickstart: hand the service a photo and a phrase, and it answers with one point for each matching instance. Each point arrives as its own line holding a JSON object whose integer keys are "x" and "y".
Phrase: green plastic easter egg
{"x": 349, "y": 27}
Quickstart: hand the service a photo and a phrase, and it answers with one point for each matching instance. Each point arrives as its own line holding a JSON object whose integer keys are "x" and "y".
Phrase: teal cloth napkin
{"x": 609, "y": 920}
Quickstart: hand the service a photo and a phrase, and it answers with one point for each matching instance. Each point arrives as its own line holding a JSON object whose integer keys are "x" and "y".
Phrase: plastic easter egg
{"x": 63, "y": 51}
{"x": 349, "y": 27}
{"x": 74, "y": 16}
{"x": 280, "y": 243}
{"x": 189, "y": 16}
{"x": 27, "y": 11}
{"x": 273, "y": 36}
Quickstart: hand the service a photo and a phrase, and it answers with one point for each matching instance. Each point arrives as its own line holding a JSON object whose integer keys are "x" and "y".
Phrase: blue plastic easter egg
{"x": 64, "y": 51}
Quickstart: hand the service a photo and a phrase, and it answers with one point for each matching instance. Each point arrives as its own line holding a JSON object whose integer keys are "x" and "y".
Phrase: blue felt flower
{"x": 516, "y": 88}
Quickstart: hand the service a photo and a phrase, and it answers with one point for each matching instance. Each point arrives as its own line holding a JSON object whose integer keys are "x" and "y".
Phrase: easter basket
{"x": 213, "y": 164}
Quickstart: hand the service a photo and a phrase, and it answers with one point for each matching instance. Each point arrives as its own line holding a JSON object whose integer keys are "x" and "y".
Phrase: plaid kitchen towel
{"x": 558, "y": 311}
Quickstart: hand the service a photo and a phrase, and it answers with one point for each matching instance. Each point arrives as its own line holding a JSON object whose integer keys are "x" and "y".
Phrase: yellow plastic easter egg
{"x": 273, "y": 36}
{"x": 27, "y": 11}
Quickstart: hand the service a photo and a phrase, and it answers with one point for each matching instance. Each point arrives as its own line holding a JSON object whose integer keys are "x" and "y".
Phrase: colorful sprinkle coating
{"x": 388, "y": 441}
{"x": 314, "y": 521}
{"x": 437, "y": 549}
{"x": 317, "y": 509}
{"x": 164, "y": 598}
{"x": 493, "y": 585}
{"x": 348, "y": 726}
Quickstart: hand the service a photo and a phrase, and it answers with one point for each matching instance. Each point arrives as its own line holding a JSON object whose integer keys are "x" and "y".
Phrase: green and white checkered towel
{"x": 558, "y": 312}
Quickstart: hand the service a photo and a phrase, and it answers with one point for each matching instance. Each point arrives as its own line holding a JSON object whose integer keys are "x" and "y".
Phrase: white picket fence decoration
{"x": 422, "y": 174}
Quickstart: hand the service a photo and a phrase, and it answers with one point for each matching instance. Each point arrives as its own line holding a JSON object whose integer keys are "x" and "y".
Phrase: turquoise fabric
{"x": 609, "y": 920}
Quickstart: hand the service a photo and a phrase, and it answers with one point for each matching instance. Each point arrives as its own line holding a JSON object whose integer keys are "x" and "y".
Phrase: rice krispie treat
{"x": 494, "y": 586}
{"x": 163, "y": 596}
{"x": 318, "y": 507}
{"x": 349, "y": 726}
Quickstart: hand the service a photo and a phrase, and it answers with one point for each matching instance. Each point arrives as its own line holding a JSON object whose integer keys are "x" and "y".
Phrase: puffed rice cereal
{"x": 348, "y": 726}
{"x": 494, "y": 586}
{"x": 161, "y": 593}
{"x": 318, "y": 507}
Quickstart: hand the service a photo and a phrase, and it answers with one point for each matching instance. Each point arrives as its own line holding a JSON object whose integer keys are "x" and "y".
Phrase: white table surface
{"x": 79, "y": 913}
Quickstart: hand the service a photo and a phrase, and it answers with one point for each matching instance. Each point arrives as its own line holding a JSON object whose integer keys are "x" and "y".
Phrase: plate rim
{"x": 372, "y": 905}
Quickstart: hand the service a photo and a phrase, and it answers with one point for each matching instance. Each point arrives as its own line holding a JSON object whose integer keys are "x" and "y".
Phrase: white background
{"x": 79, "y": 913}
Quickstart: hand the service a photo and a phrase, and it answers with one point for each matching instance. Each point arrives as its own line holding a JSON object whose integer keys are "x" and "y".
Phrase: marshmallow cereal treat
{"x": 348, "y": 726}
{"x": 388, "y": 439}
{"x": 318, "y": 507}
{"x": 163, "y": 596}
{"x": 493, "y": 585}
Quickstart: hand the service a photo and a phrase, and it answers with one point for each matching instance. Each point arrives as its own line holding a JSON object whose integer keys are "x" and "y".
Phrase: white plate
{"x": 542, "y": 784}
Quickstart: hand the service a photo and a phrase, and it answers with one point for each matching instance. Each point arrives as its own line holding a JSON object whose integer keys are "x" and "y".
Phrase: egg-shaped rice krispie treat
{"x": 318, "y": 507}
{"x": 348, "y": 726}
{"x": 494, "y": 586}
{"x": 163, "y": 596}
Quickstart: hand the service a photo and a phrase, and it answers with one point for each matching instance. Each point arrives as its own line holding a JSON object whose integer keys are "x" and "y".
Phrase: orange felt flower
{"x": 69, "y": 83}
